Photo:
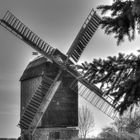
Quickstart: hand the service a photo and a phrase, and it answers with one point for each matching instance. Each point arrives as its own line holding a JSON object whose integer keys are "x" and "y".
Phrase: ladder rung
{"x": 29, "y": 119}
{"x": 24, "y": 126}
{"x": 92, "y": 28}
{"x": 13, "y": 22}
{"x": 75, "y": 58}
{"x": 6, "y": 16}
{"x": 34, "y": 104}
{"x": 44, "y": 87}
{"x": 29, "y": 112}
{"x": 26, "y": 121}
{"x": 43, "y": 45}
{"x": 84, "y": 42}
{"x": 37, "y": 41}
{"x": 32, "y": 107}
{"x": 81, "y": 45}
{"x": 20, "y": 28}
{"x": 40, "y": 92}
{"x": 26, "y": 31}
{"x": 43, "y": 91}
{"x": 40, "y": 44}
{"x": 89, "y": 32}
{"x": 49, "y": 51}
{"x": 79, "y": 49}
{"x": 95, "y": 20}
{"x": 39, "y": 99}
{"x": 23, "y": 30}
{"x": 38, "y": 95}
{"x": 86, "y": 34}
{"x": 46, "y": 47}
{"x": 28, "y": 34}
{"x": 86, "y": 37}
{"x": 17, "y": 25}
{"x": 76, "y": 53}
{"x": 11, "y": 18}
{"x": 32, "y": 36}
{"x": 34, "y": 101}
{"x": 92, "y": 25}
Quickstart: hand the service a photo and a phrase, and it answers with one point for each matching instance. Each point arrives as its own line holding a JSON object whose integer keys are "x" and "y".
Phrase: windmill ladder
{"x": 38, "y": 104}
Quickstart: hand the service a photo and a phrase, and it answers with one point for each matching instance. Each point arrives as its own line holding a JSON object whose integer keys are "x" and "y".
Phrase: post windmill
{"x": 60, "y": 68}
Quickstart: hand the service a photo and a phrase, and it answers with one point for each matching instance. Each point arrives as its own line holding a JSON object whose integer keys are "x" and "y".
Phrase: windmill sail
{"x": 15, "y": 26}
{"x": 39, "y": 103}
{"x": 93, "y": 95}
{"x": 85, "y": 34}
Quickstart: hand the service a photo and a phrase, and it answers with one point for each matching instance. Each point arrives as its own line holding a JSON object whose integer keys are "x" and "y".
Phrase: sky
{"x": 57, "y": 22}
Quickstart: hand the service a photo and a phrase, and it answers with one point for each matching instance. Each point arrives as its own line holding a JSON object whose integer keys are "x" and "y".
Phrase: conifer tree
{"x": 118, "y": 76}
{"x": 123, "y": 20}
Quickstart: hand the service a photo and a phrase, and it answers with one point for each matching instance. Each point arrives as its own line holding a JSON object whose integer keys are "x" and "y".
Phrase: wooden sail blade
{"x": 84, "y": 36}
{"x": 93, "y": 95}
{"x": 39, "y": 103}
{"x": 16, "y": 27}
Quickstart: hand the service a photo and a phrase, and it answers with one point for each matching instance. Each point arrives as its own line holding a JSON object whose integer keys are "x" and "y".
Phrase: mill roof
{"x": 35, "y": 68}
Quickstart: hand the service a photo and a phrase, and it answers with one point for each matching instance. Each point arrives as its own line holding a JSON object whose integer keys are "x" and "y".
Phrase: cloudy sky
{"x": 57, "y": 22}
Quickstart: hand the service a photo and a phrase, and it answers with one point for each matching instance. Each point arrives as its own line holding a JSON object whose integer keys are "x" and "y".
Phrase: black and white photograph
{"x": 69, "y": 70}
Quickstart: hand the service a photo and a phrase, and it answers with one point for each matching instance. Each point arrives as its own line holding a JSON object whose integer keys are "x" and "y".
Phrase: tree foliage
{"x": 123, "y": 20}
{"x": 118, "y": 77}
{"x": 123, "y": 127}
{"x": 133, "y": 123}
{"x": 109, "y": 133}
{"x": 86, "y": 121}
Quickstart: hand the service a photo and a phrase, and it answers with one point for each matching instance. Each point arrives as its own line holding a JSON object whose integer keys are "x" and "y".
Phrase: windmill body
{"x": 61, "y": 117}
{"x": 50, "y": 85}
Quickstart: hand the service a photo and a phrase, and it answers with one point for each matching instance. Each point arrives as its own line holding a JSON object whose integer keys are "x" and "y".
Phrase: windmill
{"x": 65, "y": 67}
